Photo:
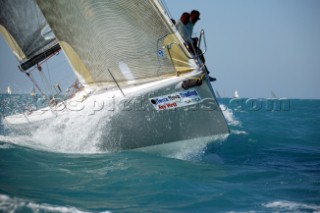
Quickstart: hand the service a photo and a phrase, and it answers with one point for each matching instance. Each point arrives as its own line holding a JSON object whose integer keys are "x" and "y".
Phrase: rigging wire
{"x": 35, "y": 84}
{"x": 46, "y": 61}
{"x": 50, "y": 82}
{"x": 164, "y": 5}
{"x": 44, "y": 79}
{"x": 61, "y": 65}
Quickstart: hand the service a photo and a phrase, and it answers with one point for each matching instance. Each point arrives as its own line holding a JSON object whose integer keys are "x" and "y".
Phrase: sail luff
{"x": 16, "y": 49}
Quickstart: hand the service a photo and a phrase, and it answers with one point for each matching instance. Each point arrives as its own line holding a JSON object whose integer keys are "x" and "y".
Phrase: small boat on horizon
{"x": 9, "y": 92}
{"x": 236, "y": 94}
{"x": 273, "y": 95}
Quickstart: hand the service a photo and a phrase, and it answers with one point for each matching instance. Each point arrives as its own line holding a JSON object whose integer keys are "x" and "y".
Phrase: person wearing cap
{"x": 194, "y": 17}
{"x": 182, "y": 27}
{"x": 188, "y": 30}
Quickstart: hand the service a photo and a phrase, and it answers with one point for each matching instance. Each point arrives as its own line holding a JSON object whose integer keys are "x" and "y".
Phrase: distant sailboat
{"x": 33, "y": 92}
{"x": 9, "y": 90}
{"x": 236, "y": 94}
{"x": 273, "y": 95}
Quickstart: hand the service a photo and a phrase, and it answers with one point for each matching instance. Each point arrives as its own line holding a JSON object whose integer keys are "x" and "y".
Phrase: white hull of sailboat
{"x": 161, "y": 113}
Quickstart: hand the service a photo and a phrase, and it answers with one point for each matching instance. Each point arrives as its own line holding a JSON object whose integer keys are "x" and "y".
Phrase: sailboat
{"x": 126, "y": 51}
{"x": 273, "y": 95}
{"x": 9, "y": 90}
{"x": 33, "y": 92}
{"x": 236, "y": 94}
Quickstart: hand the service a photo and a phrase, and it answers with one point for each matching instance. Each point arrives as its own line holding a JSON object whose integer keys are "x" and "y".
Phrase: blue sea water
{"x": 270, "y": 162}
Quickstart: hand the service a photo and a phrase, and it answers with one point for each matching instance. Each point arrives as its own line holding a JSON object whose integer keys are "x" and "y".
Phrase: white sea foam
{"x": 6, "y": 145}
{"x": 4, "y": 138}
{"x": 8, "y": 204}
{"x": 238, "y": 132}
{"x": 284, "y": 205}
{"x": 228, "y": 114}
{"x": 185, "y": 150}
{"x": 74, "y": 132}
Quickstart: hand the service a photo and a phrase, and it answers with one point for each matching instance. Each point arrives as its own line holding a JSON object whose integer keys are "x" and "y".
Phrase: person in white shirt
{"x": 194, "y": 18}
{"x": 192, "y": 42}
{"x": 182, "y": 27}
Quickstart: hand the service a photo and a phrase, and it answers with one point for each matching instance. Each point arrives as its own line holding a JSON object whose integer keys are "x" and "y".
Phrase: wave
{"x": 230, "y": 118}
{"x": 284, "y": 205}
{"x": 68, "y": 133}
{"x": 5, "y": 146}
{"x": 238, "y": 132}
{"x": 8, "y": 204}
{"x": 4, "y": 138}
{"x": 190, "y": 150}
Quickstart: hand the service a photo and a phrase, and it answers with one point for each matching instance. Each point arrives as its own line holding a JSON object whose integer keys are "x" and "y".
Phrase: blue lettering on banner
{"x": 161, "y": 100}
{"x": 188, "y": 94}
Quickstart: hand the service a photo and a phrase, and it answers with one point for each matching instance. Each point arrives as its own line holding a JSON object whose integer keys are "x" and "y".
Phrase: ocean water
{"x": 270, "y": 162}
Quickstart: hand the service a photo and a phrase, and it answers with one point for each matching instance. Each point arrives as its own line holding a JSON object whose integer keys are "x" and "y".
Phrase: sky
{"x": 254, "y": 47}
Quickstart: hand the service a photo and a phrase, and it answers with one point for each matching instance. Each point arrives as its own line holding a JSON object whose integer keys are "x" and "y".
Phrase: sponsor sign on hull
{"x": 176, "y": 100}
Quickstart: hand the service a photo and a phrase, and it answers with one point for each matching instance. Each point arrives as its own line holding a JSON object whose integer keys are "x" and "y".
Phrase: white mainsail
{"x": 9, "y": 90}
{"x": 236, "y": 94}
